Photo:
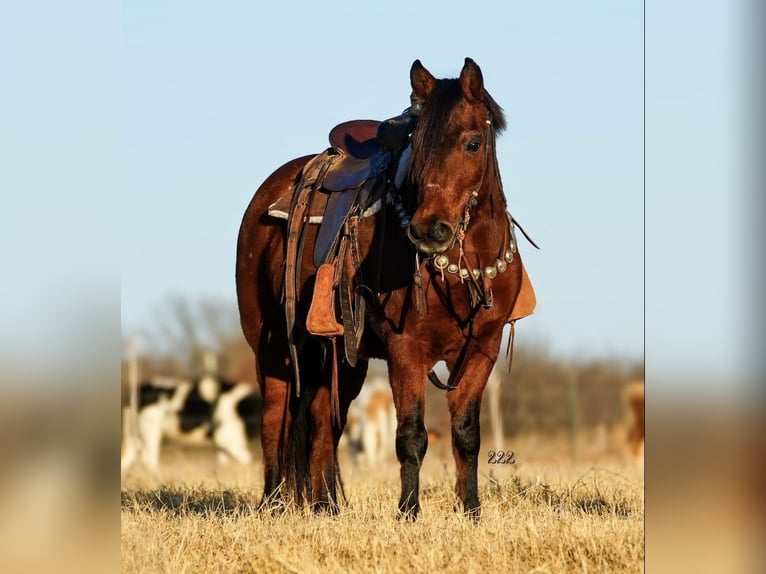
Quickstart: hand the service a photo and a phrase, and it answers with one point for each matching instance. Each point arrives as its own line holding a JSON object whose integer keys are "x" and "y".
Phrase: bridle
{"x": 478, "y": 279}
{"x": 481, "y": 293}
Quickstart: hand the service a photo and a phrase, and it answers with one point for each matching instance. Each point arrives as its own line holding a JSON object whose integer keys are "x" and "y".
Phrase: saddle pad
{"x": 526, "y": 301}
{"x": 280, "y": 209}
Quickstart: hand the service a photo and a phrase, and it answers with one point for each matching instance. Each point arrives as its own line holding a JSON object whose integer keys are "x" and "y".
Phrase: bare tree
{"x": 187, "y": 330}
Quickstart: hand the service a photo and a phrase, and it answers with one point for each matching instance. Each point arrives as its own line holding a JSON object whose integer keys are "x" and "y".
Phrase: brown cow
{"x": 371, "y": 426}
{"x": 370, "y": 433}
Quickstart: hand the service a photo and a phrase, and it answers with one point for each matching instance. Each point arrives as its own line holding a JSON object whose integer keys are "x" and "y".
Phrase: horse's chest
{"x": 464, "y": 299}
{"x": 455, "y": 311}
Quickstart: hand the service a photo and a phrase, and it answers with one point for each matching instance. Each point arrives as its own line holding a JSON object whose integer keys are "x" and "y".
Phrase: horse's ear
{"x": 422, "y": 81}
{"x": 472, "y": 81}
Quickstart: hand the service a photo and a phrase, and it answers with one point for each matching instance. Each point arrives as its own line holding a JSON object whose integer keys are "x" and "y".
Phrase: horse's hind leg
{"x": 325, "y": 473}
{"x": 274, "y": 425}
{"x": 464, "y": 406}
{"x": 322, "y": 457}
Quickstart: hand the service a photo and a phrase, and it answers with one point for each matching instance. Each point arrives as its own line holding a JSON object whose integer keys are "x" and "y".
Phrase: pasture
{"x": 545, "y": 513}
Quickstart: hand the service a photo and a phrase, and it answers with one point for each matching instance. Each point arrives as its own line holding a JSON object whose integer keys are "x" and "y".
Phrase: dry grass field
{"x": 543, "y": 514}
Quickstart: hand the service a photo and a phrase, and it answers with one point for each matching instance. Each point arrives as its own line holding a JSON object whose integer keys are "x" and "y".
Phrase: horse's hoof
{"x": 325, "y": 507}
{"x": 473, "y": 514}
{"x": 408, "y": 512}
{"x": 272, "y": 505}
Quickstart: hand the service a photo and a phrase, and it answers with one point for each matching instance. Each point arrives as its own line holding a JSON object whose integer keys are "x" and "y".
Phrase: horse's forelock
{"x": 434, "y": 120}
{"x": 432, "y": 125}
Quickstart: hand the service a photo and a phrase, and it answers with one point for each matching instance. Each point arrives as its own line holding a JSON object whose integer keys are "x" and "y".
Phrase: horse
{"x": 438, "y": 265}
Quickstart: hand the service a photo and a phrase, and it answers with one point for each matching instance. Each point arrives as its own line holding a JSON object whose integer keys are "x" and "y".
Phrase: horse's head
{"x": 453, "y": 152}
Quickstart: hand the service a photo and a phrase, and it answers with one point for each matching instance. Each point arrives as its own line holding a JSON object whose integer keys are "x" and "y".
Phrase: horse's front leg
{"x": 464, "y": 406}
{"x": 408, "y": 378}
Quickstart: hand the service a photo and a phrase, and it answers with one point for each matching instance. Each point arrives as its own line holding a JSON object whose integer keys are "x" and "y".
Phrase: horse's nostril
{"x": 415, "y": 232}
{"x": 440, "y": 232}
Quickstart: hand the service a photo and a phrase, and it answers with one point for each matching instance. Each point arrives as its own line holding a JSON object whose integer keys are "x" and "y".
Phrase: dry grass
{"x": 537, "y": 516}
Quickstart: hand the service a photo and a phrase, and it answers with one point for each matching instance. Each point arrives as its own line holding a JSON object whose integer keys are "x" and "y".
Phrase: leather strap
{"x": 304, "y": 189}
{"x": 434, "y": 379}
{"x": 339, "y": 205}
{"x": 358, "y": 279}
{"x": 346, "y": 310}
{"x": 334, "y": 397}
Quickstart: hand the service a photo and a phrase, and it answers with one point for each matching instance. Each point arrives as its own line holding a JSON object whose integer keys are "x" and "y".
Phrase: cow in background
{"x": 208, "y": 410}
{"x": 370, "y": 432}
{"x": 634, "y": 397}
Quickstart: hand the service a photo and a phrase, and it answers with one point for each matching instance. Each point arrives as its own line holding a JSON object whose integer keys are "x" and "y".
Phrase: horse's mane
{"x": 433, "y": 121}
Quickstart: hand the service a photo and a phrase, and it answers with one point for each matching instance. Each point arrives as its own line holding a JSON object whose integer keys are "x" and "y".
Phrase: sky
{"x": 133, "y": 135}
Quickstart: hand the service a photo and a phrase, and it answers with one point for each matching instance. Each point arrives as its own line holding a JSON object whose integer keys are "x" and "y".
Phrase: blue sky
{"x": 133, "y": 135}
{"x": 215, "y": 97}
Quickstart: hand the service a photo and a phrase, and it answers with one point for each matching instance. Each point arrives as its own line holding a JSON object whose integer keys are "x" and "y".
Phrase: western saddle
{"x": 347, "y": 181}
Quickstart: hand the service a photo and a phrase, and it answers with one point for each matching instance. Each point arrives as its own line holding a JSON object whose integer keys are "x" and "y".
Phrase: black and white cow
{"x": 207, "y": 410}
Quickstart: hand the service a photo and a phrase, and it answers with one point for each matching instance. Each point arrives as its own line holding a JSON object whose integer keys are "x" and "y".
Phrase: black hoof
{"x": 274, "y": 504}
{"x": 408, "y": 511}
{"x": 473, "y": 513}
{"x": 325, "y": 507}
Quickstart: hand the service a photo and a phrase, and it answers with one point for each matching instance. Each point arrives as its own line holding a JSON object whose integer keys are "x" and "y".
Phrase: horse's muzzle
{"x": 432, "y": 236}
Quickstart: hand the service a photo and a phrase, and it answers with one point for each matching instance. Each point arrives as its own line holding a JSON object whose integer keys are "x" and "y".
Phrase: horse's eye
{"x": 473, "y": 146}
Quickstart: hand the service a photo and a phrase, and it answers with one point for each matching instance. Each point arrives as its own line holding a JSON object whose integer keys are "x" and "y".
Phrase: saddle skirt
{"x": 526, "y": 301}
{"x": 280, "y": 209}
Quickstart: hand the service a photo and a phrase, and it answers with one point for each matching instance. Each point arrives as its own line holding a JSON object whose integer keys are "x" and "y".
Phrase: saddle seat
{"x": 354, "y": 165}
{"x": 360, "y": 155}
{"x": 360, "y": 150}
{"x": 357, "y": 138}
{"x": 355, "y": 157}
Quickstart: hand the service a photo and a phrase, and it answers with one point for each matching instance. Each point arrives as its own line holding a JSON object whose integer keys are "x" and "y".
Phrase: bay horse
{"x": 440, "y": 267}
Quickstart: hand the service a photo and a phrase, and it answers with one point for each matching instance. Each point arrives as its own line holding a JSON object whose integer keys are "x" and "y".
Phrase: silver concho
{"x": 452, "y": 268}
{"x": 441, "y": 262}
{"x": 508, "y": 255}
{"x": 501, "y": 266}
{"x": 490, "y": 272}
{"x": 464, "y": 273}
